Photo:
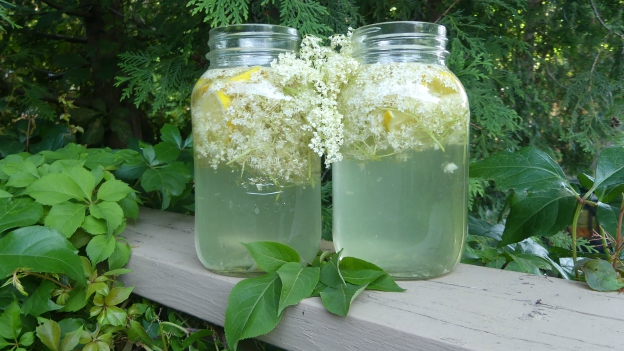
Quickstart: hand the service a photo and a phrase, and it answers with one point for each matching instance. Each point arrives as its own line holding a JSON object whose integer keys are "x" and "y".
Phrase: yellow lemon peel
{"x": 245, "y": 76}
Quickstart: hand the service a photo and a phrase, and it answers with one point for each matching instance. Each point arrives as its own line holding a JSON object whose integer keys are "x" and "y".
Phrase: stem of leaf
{"x": 605, "y": 245}
{"x": 239, "y": 156}
{"x": 42, "y": 276}
{"x": 577, "y": 213}
{"x": 176, "y": 326}
{"x": 162, "y": 336}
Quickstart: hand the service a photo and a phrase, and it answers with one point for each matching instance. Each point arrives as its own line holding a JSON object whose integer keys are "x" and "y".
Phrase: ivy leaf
{"x": 10, "y": 322}
{"x": 538, "y": 214}
{"x": 120, "y": 256}
{"x": 585, "y": 180}
{"x": 171, "y": 134}
{"x": 166, "y": 152}
{"x": 270, "y": 256}
{"x": 132, "y": 168}
{"x": 84, "y": 179}
{"x": 24, "y": 175}
{"x": 117, "y": 295}
{"x": 252, "y": 308}
{"x": 71, "y": 340}
{"x": 385, "y": 283}
{"x": 526, "y": 170}
{"x": 330, "y": 274}
{"x": 337, "y": 300}
{"x": 5, "y": 194}
{"x": 100, "y": 248}
{"x": 20, "y": 212}
{"x": 171, "y": 178}
{"x": 601, "y": 276}
{"x": 42, "y": 250}
{"x": 116, "y": 316}
{"x": 359, "y": 272}
{"x": 49, "y": 332}
{"x": 26, "y": 339}
{"x": 523, "y": 264}
{"x": 97, "y": 158}
{"x": 607, "y": 216}
{"x": 148, "y": 153}
{"x": 610, "y": 168}
{"x": 298, "y": 282}
{"x": 54, "y": 188}
{"x": 188, "y": 142}
{"x": 77, "y": 300}
{"x": 66, "y": 217}
{"x": 113, "y": 190}
{"x": 40, "y": 301}
{"x": 94, "y": 226}
{"x": 109, "y": 211}
{"x": 130, "y": 207}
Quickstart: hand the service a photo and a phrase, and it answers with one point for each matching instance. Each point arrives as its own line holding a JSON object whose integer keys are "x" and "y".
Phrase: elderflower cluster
{"x": 272, "y": 122}
{"x": 393, "y": 108}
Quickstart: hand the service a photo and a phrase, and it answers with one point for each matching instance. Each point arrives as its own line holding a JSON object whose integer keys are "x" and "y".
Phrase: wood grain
{"x": 473, "y": 308}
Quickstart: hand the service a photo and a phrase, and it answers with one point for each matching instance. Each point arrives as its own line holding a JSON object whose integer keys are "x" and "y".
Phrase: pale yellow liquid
{"x": 407, "y": 217}
{"x": 229, "y": 212}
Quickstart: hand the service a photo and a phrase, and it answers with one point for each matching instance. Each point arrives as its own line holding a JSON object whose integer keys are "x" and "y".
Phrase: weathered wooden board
{"x": 472, "y": 308}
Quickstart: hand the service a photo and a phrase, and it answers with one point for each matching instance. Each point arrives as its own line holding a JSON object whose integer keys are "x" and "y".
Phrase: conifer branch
{"x": 447, "y": 10}
{"x": 77, "y": 13}
{"x": 602, "y": 22}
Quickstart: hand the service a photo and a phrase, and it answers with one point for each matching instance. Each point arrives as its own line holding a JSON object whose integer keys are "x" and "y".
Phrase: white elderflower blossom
{"x": 274, "y": 121}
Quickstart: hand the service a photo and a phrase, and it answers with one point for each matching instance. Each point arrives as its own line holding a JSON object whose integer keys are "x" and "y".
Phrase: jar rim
{"x": 400, "y": 27}
{"x": 251, "y": 30}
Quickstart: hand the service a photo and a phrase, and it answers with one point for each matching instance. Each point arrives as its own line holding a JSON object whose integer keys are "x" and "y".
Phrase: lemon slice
{"x": 438, "y": 87}
{"x": 392, "y": 120}
{"x": 211, "y": 103}
{"x": 245, "y": 76}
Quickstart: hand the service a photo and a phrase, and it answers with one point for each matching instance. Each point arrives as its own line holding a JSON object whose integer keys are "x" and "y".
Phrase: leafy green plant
{"x": 255, "y": 305}
{"x": 543, "y": 202}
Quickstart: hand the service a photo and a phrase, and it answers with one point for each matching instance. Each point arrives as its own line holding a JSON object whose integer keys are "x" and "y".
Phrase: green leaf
{"x": 25, "y": 177}
{"x": 116, "y": 316}
{"x": 330, "y": 274}
{"x": 113, "y": 190}
{"x": 337, "y": 300}
{"x": 136, "y": 333}
{"x": 194, "y": 337}
{"x": 117, "y": 296}
{"x": 94, "y": 226}
{"x": 526, "y": 170}
{"x": 55, "y": 188}
{"x": 297, "y": 283}
{"x": 111, "y": 212}
{"x": 27, "y": 339}
{"x": 385, "y": 283}
{"x": 601, "y": 276}
{"x": 252, "y": 308}
{"x": 610, "y": 168}
{"x": 84, "y": 179}
{"x": 522, "y": 264}
{"x": 270, "y": 256}
{"x": 71, "y": 340}
{"x": 77, "y": 300}
{"x": 66, "y": 217}
{"x": 49, "y": 332}
{"x": 5, "y": 194}
{"x": 130, "y": 207}
{"x": 97, "y": 158}
{"x": 170, "y": 134}
{"x": 608, "y": 216}
{"x": 538, "y": 214}
{"x": 19, "y": 212}
{"x": 118, "y": 271}
{"x": 171, "y": 178}
{"x": 359, "y": 272}
{"x": 132, "y": 168}
{"x": 585, "y": 180}
{"x": 100, "y": 248}
{"x": 42, "y": 250}
{"x": 40, "y": 301}
{"x": 10, "y": 322}
{"x": 120, "y": 256}
{"x": 166, "y": 152}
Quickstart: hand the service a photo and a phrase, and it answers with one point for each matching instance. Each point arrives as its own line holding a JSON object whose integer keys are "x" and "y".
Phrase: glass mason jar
{"x": 256, "y": 179}
{"x": 400, "y": 195}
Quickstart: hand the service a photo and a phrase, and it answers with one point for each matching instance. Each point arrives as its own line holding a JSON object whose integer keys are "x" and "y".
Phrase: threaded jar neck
{"x": 400, "y": 42}
{"x": 250, "y": 44}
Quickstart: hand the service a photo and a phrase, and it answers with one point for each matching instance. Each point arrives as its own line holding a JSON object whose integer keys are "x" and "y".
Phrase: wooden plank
{"x": 473, "y": 308}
